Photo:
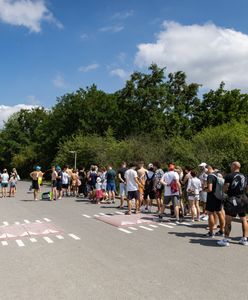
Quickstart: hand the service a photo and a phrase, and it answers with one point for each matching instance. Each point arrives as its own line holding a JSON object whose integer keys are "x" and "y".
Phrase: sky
{"x": 52, "y": 47}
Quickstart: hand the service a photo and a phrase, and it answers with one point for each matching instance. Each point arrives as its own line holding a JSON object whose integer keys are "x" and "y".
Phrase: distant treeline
{"x": 153, "y": 118}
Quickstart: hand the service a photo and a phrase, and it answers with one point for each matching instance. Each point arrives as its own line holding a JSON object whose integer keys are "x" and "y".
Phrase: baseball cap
{"x": 203, "y": 164}
{"x": 37, "y": 168}
{"x": 150, "y": 166}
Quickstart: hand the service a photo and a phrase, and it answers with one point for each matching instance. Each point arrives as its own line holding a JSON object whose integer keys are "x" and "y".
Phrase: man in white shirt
{"x": 132, "y": 185}
{"x": 172, "y": 190}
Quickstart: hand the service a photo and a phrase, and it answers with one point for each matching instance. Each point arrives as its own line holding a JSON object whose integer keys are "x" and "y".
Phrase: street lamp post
{"x": 75, "y": 159}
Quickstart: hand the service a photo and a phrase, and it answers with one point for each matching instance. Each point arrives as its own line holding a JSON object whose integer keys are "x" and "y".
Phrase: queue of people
{"x": 203, "y": 194}
{"x": 8, "y": 182}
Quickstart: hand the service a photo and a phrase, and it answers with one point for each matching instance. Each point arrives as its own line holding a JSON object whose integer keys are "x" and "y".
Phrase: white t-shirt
{"x": 203, "y": 178}
{"x": 65, "y": 178}
{"x": 194, "y": 184}
{"x": 168, "y": 177}
{"x": 5, "y": 178}
{"x": 130, "y": 176}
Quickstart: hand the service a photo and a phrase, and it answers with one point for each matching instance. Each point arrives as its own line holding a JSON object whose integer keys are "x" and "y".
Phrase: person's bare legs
{"x": 228, "y": 225}
{"x": 211, "y": 222}
{"x": 244, "y": 226}
{"x": 221, "y": 220}
{"x": 192, "y": 209}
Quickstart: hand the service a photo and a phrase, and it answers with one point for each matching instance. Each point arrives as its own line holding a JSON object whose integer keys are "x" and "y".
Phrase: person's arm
{"x": 162, "y": 181}
{"x": 209, "y": 184}
{"x": 137, "y": 181}
{"x": 189, "y": 185}
{"x": 119, "y": 177}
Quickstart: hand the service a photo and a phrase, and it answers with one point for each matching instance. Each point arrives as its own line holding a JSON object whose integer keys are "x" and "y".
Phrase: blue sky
{"x": 50, "y": 47}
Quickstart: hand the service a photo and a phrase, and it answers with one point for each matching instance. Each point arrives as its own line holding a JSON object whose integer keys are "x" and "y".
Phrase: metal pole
{"x": 75, "y": 161}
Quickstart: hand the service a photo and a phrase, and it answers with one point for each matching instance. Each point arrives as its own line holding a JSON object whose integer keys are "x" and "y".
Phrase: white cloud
{"x": 207, "y": 53}
{"x": 88, "y": 68}
{"x": 59, "y": 81}
{"x": 122, "y": 74}
{"x": 113, "y": 29}
{"x": 27, "y": 13}
{"x": 84, "y": 36}
{"x": 7, "y": 111}
{"x": 122, "y": 15}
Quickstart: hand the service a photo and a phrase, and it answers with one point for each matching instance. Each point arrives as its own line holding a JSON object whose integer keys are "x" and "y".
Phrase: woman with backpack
{"x": 149, "y": 190}
{"x": 194, "y": 188}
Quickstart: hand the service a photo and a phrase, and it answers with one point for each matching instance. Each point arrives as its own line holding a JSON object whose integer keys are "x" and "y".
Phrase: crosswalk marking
{"x": 86, "y": 216}
{"x": 20, "y": 243}
{"x": 4, "y": 243}
{"x": 146, "y": 228}
{"x": 153, "y": 226}
{"x": 27, "y": 221}
{"x": 96, "y": 216}
{"x": 173, "y": 224}
{"x": 132, "y": 228}
{"x": 5, "y": 223}
{"x": 33, "y": 240}
{"x": 74, "y": 236}
{"x": 47, "y": 220}
{"x": 119, "y": 213}
{"x": 102, "y": 214}
{"x": 47, "y": 239}
{"x": 124, "y": 230}
{"x": 17, "y": 223}
{"x": 186, "y": 224}
{"x": 164, "y": 225}
{"x": 38, "y": 221}
{"x": 60, "y": 237}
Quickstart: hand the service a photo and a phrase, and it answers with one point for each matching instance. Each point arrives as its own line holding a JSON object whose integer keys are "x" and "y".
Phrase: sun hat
{"x": 203, "y": 164}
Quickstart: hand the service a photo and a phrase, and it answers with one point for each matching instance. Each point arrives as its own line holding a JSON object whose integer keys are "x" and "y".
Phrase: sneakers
{"x": 243, "y": 241}
{"x": 220, "y": 233}
{"x": 205, "y": 218}
{"x": 210, "y": 234}
{"x": 223, "y": 243}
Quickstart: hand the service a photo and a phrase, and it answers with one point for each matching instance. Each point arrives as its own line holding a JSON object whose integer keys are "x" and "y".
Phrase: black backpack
{"x": 149, "y": 182}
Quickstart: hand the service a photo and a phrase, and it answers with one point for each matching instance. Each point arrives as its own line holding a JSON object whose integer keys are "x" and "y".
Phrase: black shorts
{"x": 233, "y": 211}
{"x": 35, "y": 185}
{"x": 151, "y": 195}
{"x": 54, "y": 183}
{"x": 65, "y": 186}
{"x": 58, "y": 185}
{"x": 133, "y": 195}
{"x": 213, "y": 204}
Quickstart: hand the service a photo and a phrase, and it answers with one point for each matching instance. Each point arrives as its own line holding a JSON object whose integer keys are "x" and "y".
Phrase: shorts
{"x": 35, "y": 185}
{"x": 4, "y": 184}
{"x": 133, "y": 195}
{"x": 122, "y": 189}
{"x": 65, "y": 186}
{"x": 194, "y": 198}
{"x": 233, "y": 211}
{"x": 54, "y": 183}
{"x": 175, "y": 199}
{"x": 150, "y": 194}
{"x": 203, "y": 196}
{"x": 213, "y": 204}
{"x": 58, "y": 186}
{"x": 111, "y": 187}
{"x": 99, "y": 194}
{"x": 159, "y": 193}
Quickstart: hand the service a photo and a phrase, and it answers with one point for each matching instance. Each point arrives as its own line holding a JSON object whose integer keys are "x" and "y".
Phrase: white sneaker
{"x": 205, "y": 218}
{"x": 243, "y": 241}
{"x": 223, "y": 243}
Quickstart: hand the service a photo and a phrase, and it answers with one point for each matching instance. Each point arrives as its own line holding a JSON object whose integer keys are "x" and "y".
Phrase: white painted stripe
{"x": 86, "y": 216}
{"x": 17, "y": 223}
{"x": 132, "y": 228}
{"x": 153, "y": 226}
{"x": 119, "y": 213}
{"x": 164, "y": 225}
{"x": 5, "y": 223}
{"x": 33, "y": 240}
{"x": 47, "y": 220}
{"x": 4, "y": 243}
{"x": 60, "y": 237}
{"x": 74, "y": 236}
{"x": 96, "y": 216}
{"x": 173, "y": 224}
{"x": 20, "y": 243}
{"x": 102, "y": 214}
{"x": 38, "y": 221}
{"x": 47, "y": 239}
{"x": 27, "y": 221}
{"x": 146, "y": 228}
{"x": 186, "y": 224}
{"x": 124, "y": 230}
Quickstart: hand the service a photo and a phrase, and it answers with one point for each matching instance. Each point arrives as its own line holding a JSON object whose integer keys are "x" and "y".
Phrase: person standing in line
{"x": 35, "y": 182}
{"x": 149, "y": 191}
{"x": 4, "y": 182}
{"x": 158, "y": 186}
{"x": 236, "y": 203}
{"x": 172, "y": 191}
{"x": 58, "y": 183}
{"x": 142, "y": 179}
{"x": 132, "y": 183}
{"x": 193, "y": 189}
{"x": 111, "y": 186}
{"x": 65, "y": 182}
{"x": 213, "y": 205}
{"x": 54, "y": 178}
{"x": 12, "y": 185}
{"x": 122, "y": 181}
{"x": 203, "y": 194}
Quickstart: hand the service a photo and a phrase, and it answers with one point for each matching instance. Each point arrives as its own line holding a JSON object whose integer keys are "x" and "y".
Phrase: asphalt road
{"x": 90, "y": 259}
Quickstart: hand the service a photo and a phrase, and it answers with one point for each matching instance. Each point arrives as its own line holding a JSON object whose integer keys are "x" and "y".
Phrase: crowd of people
{"x": 8, "y": 182}
{"x": 203, "y": 193}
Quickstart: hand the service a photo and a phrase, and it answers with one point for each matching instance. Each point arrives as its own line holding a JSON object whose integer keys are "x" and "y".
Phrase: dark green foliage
{"x": 154, "y": 117}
